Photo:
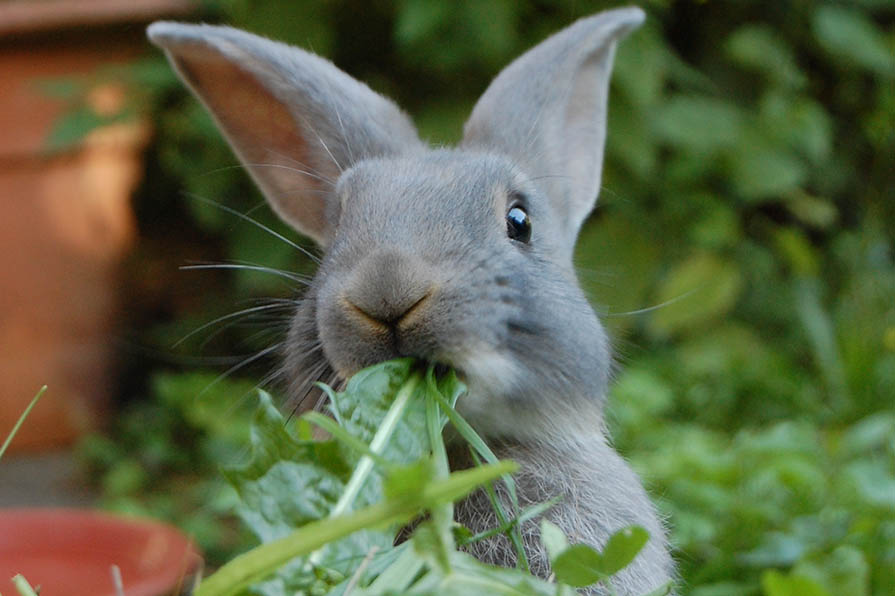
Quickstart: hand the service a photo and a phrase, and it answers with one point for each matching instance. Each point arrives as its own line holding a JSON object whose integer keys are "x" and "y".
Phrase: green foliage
{"x": 742, "y": 255}
{"x": 162, "y": 458}
{"x": 580, "y": 565}
{"x": 298, "y": 493}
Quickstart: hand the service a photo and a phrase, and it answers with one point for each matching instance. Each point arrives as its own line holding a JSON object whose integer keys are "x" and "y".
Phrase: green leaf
{"x": 579, "y": 565}
{"x": 429, "y": 544}
{"x": 799, "y": 123}
{"x": 761, "y": 170}
{"x": 761, "y": 49}
{"x": 844, "y": 571}
{"x": 870, "y": 433}
{"x": 873, "y": 481}
{"x": 776, "y": 550}
{"x": 418, "y": 20}
{"x": 288, "y": 482}
{"x": 796, "y": 251}
{"x": 408, "y": 481}
{"x": 699, "y": 123}
{"x": 775, "y": 583}
{"x": 622, "y": 547}
{"x": 848, "y": 34}
{"x": 263, "y": 560}
{"x": 641, "y": 66}
{"x": 553, "y": 538}
{"x": 814, "y": 211}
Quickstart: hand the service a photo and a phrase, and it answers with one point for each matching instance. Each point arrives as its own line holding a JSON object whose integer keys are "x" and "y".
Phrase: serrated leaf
{"x": 288, "y": 483}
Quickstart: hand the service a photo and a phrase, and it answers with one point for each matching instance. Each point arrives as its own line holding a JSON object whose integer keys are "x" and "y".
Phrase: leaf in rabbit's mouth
{"x": 443, "y": 369}
{"x": 439, "y": 369}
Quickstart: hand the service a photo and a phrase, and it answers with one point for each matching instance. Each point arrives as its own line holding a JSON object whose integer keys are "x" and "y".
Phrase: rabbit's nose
{"x": 388, "y": 289}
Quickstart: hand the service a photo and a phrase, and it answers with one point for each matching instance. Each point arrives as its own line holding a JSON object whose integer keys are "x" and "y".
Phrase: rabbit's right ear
{"x": 547, "y": 111}
{"x": 294, "y": 119}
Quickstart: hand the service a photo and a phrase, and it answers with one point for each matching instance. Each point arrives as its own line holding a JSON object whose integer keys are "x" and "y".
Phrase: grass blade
{"x": 19, "y": 422}
{"x": 481, "y": 448}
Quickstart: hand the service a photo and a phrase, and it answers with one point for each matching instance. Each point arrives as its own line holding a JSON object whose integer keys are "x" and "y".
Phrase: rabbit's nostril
{"x": 383, "y": 315}
{"x": 412, "y": 313}
{"x": 387, "y": 288}
{"x": 369, "y": 319}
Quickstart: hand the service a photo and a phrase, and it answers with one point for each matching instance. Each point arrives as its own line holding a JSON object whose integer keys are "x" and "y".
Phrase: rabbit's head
{"x": 457, "y": 256}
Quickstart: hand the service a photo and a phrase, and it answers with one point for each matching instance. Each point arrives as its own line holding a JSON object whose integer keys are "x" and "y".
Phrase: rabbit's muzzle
{"x": 386, "y": 305}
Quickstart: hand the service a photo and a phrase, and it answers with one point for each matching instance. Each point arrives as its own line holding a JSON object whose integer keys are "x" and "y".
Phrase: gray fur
{"x": 418, "y": 262}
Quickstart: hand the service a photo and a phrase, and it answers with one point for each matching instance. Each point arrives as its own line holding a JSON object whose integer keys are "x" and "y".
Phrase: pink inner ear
{"x": 265, "y": 136}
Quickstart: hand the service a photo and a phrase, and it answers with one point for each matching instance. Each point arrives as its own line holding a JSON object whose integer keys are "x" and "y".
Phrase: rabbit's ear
{"x": 547, "y": 111}
{"x": 294, "y": 119}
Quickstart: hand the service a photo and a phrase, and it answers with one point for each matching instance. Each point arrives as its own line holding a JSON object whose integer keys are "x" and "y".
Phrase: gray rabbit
{"x": 460, "y": 256}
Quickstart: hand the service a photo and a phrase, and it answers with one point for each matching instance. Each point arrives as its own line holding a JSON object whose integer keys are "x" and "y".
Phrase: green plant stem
{"x": 377, "y": 445}
{"x": 339, "y": 432}
{"x": 442, "y": 515}
{"x": 263, "y": 560}
{"x": 479, "y": 446}
{"x": 19, "y": 422}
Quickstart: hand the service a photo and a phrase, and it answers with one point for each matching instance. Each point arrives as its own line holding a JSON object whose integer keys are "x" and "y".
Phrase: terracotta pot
{"x": 71, "y": 552}
{"x": 65, "y": 218}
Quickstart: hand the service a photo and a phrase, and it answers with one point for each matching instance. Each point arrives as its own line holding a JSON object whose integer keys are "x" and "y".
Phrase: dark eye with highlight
{"x": 518, "y": 224}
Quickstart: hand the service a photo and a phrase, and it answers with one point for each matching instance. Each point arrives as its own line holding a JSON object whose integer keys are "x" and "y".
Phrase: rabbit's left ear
{"x": 547, "y": 111}
{"x": 294, "y": 119}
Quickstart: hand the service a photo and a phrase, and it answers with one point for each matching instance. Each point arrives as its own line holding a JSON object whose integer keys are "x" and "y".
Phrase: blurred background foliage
{"x": 741, "y": 254}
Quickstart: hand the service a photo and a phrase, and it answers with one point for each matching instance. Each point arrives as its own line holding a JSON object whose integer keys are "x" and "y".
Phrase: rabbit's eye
{"x": 518, "y": 225}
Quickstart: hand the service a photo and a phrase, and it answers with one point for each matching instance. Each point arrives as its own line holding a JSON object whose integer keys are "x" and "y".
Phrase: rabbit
{"x": 460, "y": 256}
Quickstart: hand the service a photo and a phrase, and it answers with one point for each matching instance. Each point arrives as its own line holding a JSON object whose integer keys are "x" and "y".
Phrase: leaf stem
{"x": 377, "y": 445}
{"x": 442, "y": 515}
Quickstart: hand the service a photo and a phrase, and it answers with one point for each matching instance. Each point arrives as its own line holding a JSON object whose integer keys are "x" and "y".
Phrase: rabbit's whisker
{"x": 302, "y": 279}
{"x": 239, "y": 313}
{"x": 240, "y": 365}
{"x": 257, "y": 223}
{"x": 641, "y": 311}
